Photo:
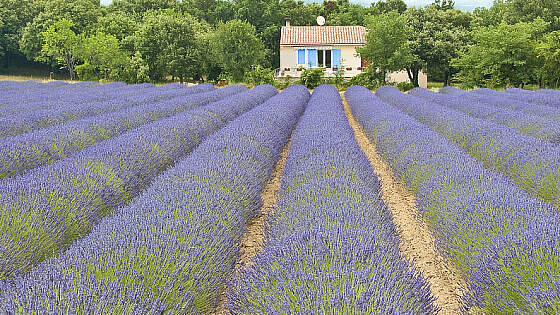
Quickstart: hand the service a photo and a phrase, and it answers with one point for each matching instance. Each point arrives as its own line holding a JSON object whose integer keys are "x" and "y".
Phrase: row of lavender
{"x": 30, "y": 150}
{"x": 529, "y": 162}
{"x": 501, "y": 99}
{"x": 505, "y": 243}
{"x": 26, "y": 99}
{"x": 53, "y": 113}
{"x": 332, "y": 244}
{"x": 175, "y": 246}
{"x": 540, "y": 127}
{"x": 47, "y": 208}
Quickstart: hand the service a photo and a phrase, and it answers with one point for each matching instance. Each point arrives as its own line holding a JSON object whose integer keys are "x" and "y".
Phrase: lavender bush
{"x": 533, "y": 97}
{"x": 47, "y": 117}
{"x": 534, "y": 165}
{"x": 27, "y": 151}
{"x": 46, "y": 209}
{"x": 505, "y": 242}
{"x": 23, "y": 100}
{"x": 174, "y": 247}
{"x": 508, "y": 103}
{"x": 543, "y": 128}
{"x": 332, "y": 246}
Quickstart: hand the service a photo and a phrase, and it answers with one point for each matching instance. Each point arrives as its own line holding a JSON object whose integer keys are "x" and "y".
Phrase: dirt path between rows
{"x": 253, "y": 241}
{"x": 417, "y": 242}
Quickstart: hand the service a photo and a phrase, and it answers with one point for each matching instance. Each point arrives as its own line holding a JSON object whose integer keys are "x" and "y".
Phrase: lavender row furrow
{"x": 533, "y": 97}
{"x": 27, "y": 151}
{"x": 543, "y": 128}
{"x": 174, "y": 247}
{"x": 25, "y": 101}
{"x": 44, "y": 210}
{"x": 532, "y": 164}
{"x": 503, "y": 102}
{"x": 44, "y": 118}
{"x": 332, "y": 244}
{"x": 504, "y": 242}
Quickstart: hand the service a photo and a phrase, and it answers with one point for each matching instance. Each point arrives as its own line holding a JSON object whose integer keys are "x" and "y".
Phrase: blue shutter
{"x": 312, "y": 57}
{"x": 301, "y": 56}
{"x": 336, "y": 58}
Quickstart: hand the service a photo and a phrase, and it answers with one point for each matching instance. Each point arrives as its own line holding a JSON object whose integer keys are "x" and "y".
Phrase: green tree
{"x": 391, "y": 5}
{"x": 502, "y": 55}
{"x": 444, "y": 4}
{"x": 116, "y": 23}
{"x": 238, "y": 47}
{"x": 137, "y": 8}
{"x": 530, "y": 10}
{"x": 167, "y": 42}
{"x": 102, "y": 57}
{"x": 14, "y": 15}
{"x": 61, "y": 45}
{"x": 386, "y": 45}
{"x": 437, "y": 38}
{"x": 548, "y": 51}
{"x": 83, "y": 13}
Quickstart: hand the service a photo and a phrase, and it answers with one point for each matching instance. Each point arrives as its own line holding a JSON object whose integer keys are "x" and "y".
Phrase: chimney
{"x": 287, "y": 21}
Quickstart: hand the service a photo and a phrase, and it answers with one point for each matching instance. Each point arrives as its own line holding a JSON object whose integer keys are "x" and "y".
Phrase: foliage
{"x": 387, "y": 6}
{"x": 502, "y": 55}
{"x": 14, "y": 15}
{"x": 371, "y": 79}
{"x": 386, "y": 45}
{"x": 548, "y": 52}
{"x": 237, "y": 48}
{"x": 84, "y": 14}
{"x": 259, "y": 75}
{"x": 102, "y": 57}
{"x": 61, "y": 45}
{"x": 404, "y": 86}
{"x": 312, "y": 77}
{"x": 168, "y": 44}
{"x": 137, "y": 70}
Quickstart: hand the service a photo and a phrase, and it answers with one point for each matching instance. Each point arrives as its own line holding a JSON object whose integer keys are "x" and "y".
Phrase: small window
{"x": 320, "y": 58}
{"x": 327, "y": 58}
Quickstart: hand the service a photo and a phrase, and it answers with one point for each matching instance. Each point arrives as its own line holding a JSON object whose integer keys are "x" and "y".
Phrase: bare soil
{"x": 417, "y": 242}
{"x": 253, "y": 241}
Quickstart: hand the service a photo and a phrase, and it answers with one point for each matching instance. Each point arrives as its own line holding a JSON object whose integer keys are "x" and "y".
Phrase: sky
{"x": 465, "y": 5}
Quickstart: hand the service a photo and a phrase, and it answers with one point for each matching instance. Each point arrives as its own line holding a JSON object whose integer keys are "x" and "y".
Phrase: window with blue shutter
{"x": 301, "y": 56}
{"x": 312, "y": 57}
{"x": 336, "y": 58}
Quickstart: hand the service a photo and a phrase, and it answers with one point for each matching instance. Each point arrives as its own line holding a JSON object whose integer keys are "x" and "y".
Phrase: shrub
{"x": 369, "y": 79}
{"x": 405, "y": 86}
{"x": 259, "y": 75}
{"x": 311, "y": 78}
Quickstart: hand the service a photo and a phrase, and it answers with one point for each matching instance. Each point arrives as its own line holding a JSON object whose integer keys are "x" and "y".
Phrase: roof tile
{"x": 322, "y": 35}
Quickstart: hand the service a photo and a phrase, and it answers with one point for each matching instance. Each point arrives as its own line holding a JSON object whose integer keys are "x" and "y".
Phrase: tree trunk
{"x": 409, "y": 72}
{"x": 413, "y": 75}
{"x": 181, "y": 78}
{"x": 446, "y": 78}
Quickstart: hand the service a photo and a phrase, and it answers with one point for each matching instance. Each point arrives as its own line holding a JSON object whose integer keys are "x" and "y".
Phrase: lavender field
{"x": 144, "y": 199}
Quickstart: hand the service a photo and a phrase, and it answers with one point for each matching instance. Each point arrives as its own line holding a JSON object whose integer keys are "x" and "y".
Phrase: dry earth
{"x": 417, "y": 242}
{"x": 253, "y": 241}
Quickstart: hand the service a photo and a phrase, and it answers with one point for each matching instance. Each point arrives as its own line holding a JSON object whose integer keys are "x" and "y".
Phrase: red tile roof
{"x": 322, "y": 35}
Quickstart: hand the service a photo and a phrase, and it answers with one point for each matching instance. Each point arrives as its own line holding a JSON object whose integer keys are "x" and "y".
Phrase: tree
{"x": 444, "y": 4}
{"x": 14, "y": 15}
{"x": 61, "y": 45}
{"x": 391, "y": 5}
{"x": 167, "y": 42}
{"x": 83, "y": 13}
{"x": 437, "y": 38}
{"x": 386, "y": 45}
{"x": 502, "y": 55}
{"x": 102, "y": 57}
{"x": 548, "y": 51}
{"x": 530, "y": 10}
{"x": 137, "y": 8}
{"x": 238, "y": 47}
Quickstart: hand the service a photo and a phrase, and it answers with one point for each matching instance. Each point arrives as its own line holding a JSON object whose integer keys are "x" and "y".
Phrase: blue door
{"x": 312, "y": 57}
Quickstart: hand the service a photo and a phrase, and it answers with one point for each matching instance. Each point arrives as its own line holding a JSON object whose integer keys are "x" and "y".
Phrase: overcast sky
{"x": 467, "y": 5}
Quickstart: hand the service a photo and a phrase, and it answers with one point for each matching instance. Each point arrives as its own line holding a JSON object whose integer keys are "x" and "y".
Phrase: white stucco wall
{"x": 289, "y": 59}
{"x": 349, "y": 61}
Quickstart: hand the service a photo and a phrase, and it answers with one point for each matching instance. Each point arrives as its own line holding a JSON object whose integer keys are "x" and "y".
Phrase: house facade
{"x": 332, "y": 48}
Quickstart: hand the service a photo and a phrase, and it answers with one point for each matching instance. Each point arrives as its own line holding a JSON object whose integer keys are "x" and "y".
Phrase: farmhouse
{"x": 330, "y": 47}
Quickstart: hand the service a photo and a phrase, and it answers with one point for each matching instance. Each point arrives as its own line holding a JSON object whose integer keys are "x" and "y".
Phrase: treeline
{"x": 514, "y": 43}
